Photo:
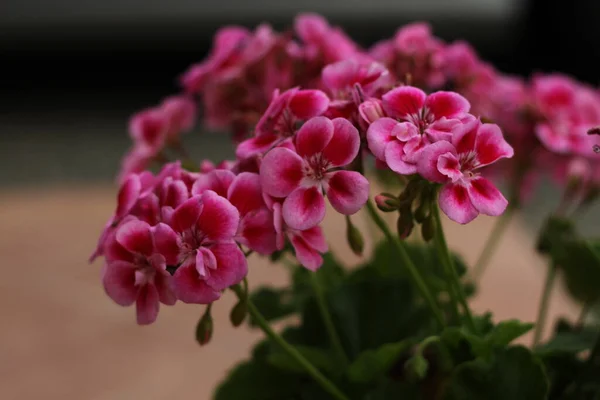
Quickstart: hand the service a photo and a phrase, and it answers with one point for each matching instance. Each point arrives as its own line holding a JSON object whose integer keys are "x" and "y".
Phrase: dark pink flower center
{"x": 421, "y": 120}
{"x": 191, "y": 241}
{"x": 468, "y": 163}
{"x": 316, "y": 167}
{"x": 145, "y": 272}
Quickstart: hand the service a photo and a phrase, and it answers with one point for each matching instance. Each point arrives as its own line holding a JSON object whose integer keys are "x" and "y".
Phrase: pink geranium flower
{"x": 135, "y": 270}
{"x": 280, "y": 121}
{"x": 209, "y": 260}
{"x": 180, "y": 112}
{"x": 302, "y": 176}
{"x": 415, "y": 120}
{"x": 149, "y": 129}
{"x": 465, "y": 193}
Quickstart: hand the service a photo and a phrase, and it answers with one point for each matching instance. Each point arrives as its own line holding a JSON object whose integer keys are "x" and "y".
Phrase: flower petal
{"x": 219, "y": 219}
{"x": 304, "y": 208}
{"x": 174, "y": 193}
{"x": 136, "y": 237}
{"x": 448, "y": 165}
{"x": 403, "y": 101}
{"x": 231, "y": 266}
{"x": 306, "y": 255}
{"x": 314, "y": 135}
{"x": 395, "y": 159}
{"x": 486, "y": 198}
{"x": 218, "y": 181}
{"x": 405, "y": 131}
{"x": 490, "y": 145}
{"x": 281, "y": 172}
{"x": 447, "y": 104}
{"x": 456, "y": 204}
{"x": 255, "y": 145}
{"x": 165, "y": 241}
{"x": 379, "y": 135}
{"x": 315, "y": 238}
{"x": 464, "y": 136}
{"x": 191, "y": 287}
{"x": 118, "y": 278}
{"x": 344, "y": 145}
{"x": 306, "y": 104}
{"x": 428, "y": 161}
{"x": 147, "y": 305}
{"x": 257, "y": 231}
{"x": 245, "y": 192}
{"x": 347, "y": 191}
{"x": 128, "y": 195}
{"x": 186, "y": 215}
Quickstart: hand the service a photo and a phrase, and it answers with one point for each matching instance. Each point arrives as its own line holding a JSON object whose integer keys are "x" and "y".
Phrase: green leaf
{"x": 373, "y": 364}
{"x": 514, "y": 373}
{"x": 394, "y": 390}
{"x": 272, "y": 303}
{"x": 254, "y": 380}
{"x": 507, "y": 331}
{"x": 322, "y": 359}
{"x": 579, "y": 261}
{"x": 569, "y": 342}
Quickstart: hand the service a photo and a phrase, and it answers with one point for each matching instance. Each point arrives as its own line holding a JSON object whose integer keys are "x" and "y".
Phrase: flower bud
{"x": 371, "y": 110}
{"x": 417, "y": 367}
{"x": 386, "y": 202}
{"x": 354, "y": 237}
{"x": 422, "y": 212}
{"x": 428, "y": 228}
{"x": 405, "y": 223}
{"x": 238, "y": 313}
{"x": 578, "y": 175}
{"x": 204, "y": 329}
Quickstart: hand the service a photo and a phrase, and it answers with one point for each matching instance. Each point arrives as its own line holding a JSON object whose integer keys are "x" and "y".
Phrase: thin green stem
{"x": 450, "y": 269}
{"x": 412, "y": 269}
{"x": 326, "y": 315}
{"x": 492, "y": 242}
{"x": 325, "y": 383}
{"x": 544, "y": 301}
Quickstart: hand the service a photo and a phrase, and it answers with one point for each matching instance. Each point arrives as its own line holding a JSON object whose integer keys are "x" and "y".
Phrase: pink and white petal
{"x": 395, "y": 159}
{"x": 464, "y": 136}
{"x": 371, "y": 110}
{"x": 147, "y": 305}
{"x": 118, "y": 279}
{"x": 219, "y": 219}
{"x": 136, "y": 236}
{"x": 128, "y": 195}
{"x": 278, "y": 225}
{"x": 315, "y": 238}
{"x": 447, "y": 104}
{"x": 379, "y": 135}
{"x": 165, "y": 242}
{"x": 257, "y": 231}
{"x": 455, "y": 202}
{"x": 403, "y": 101}
{"x": 306, "y": 255}
{"x": 209, "y": 259}
{"x": 186, "y": 215}
{"x": 218, "y": 181}
{"x": 313, "y": 136}
{"x": 255, "y": 145}
{"x": 304, "y": 208}
{"x": 201, "y": 267}
{"x": 490, "y": 145}
{"x": 174, "y": 193}
{"x": 232, "y": 266}
{"x": 340, "y": 75}
{"x": 347, "y": 191}
{"x": 166, "y": 215}
{"x": 485, "y": 197}
{"x": 405, "y": 131}
{"x": 245, "y": 192}
{"x": 311, "y": 27}
{"x": 164, "y": 286}
{"x": 427, "y": 163}
{"x": 192, "y": 288}
{"x": 306, "y": 104}
{"x": 449, "y": 165}
{"x": 281, "y": 172}
{"x": 344, "y": 145}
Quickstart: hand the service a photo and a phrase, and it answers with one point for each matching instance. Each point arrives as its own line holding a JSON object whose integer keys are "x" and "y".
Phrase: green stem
{"x": 325, "y": 383}
{"x": 326, "y": 315}
{"x": 412, "y": 269}
{"x": 544, "y": 301}
{"x": 456, "y": 288}
{"x": 492, "y": 242}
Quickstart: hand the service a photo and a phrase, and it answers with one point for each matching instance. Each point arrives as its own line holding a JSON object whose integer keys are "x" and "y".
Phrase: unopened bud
{"x": 428, "y": 228}
{"x": 354, "y": 237}
{"x": 578, "y": 173}
{"x": 405, "y": 223}
{"x": 422, "y": 212}
{"x": 371, "y": 110}
{"x": 386, "y": 202}
{"x": 238, "y": 313}
{"x": 204, "y": 329}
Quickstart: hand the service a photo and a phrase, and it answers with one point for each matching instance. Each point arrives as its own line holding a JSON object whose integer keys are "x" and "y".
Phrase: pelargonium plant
{"x": 316, "y": 119}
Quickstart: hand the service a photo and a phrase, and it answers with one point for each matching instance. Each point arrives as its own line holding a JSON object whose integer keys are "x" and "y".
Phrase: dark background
{"x": 73, "y": 71}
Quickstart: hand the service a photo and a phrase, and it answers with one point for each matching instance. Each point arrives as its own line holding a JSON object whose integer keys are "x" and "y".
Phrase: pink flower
{"x": 302, "y": 176}
{"x": 180, "y": 112}
{"x": 417, "y": 120}
{"x": 135, "y": 271}
{"x": 244, "y": 192}
{"x": 281, "y": 119}
{"x": 209, "y": 259}
{"x": 465, "y": 193}
{"x": 148, "y": 129}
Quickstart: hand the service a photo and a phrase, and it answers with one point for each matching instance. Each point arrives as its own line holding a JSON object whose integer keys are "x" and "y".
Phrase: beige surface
{"x": 61, "y": 338}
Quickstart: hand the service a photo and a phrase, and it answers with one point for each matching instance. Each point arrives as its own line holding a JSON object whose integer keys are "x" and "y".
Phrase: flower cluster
{"x": 308, "y": 110}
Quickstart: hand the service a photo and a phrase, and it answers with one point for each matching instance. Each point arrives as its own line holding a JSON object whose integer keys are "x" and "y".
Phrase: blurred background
{"x": 72, "y": 71}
